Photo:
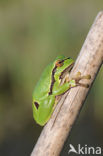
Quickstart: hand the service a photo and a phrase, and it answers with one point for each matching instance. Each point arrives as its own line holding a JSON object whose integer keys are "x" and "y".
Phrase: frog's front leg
{"x": 60, "y": 89}
{"x": 69, "y": 83}
{"x": 78, "y": 77}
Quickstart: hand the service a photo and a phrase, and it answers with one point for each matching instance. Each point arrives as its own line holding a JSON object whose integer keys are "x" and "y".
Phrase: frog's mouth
{"x": 68, "y": 69}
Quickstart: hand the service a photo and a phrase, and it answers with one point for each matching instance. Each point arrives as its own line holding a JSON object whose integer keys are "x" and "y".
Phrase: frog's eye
{"x": 59, "y": 63}
{"x": 36, "y": 105}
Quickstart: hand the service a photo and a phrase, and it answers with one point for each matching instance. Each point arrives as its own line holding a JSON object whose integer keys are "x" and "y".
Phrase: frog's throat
{"x": 68, "y": 69}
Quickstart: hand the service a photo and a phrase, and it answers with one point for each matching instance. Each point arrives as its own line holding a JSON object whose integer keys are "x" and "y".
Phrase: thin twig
{"x": 89, "y": 61}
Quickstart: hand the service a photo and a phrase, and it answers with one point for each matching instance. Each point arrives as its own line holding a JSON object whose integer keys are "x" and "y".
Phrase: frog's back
{"x": 43, "y": 85}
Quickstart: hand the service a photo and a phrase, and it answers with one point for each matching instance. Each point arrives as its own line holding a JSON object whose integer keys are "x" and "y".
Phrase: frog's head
{"x": 63, "y": 64}
{"x": 63, "y": 61}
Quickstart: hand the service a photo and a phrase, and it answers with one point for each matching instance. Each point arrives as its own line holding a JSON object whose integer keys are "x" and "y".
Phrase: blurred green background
{"x": 33, "y": 33}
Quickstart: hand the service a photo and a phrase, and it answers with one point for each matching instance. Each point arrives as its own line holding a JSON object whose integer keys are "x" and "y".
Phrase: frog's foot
{"x": 78, "y": 77}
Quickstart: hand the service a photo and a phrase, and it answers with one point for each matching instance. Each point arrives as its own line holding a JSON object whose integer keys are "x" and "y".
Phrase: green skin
{"x": 48, "y": 88}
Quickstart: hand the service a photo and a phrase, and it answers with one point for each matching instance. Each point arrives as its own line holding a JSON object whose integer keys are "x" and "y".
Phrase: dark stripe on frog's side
{"x": 53, "y": 80}
{"x": 66, "y": 69}
{"x": 53, "y": 73}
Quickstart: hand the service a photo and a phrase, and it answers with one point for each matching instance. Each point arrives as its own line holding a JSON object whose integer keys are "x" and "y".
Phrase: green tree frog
{"x": 53, "y": 83}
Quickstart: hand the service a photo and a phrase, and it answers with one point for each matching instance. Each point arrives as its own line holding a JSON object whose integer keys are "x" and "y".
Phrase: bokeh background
{"x": 33, "y": 33}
